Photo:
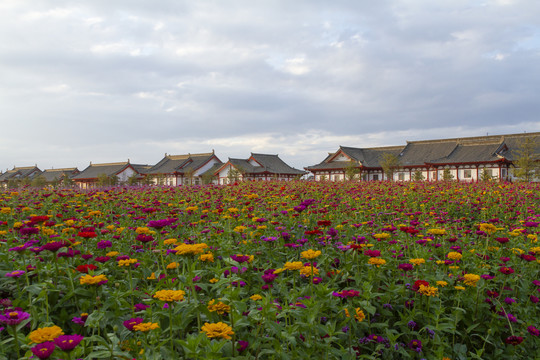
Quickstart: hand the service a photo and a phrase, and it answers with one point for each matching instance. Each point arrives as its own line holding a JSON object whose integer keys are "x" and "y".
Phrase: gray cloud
{"x": 100, "y": 81}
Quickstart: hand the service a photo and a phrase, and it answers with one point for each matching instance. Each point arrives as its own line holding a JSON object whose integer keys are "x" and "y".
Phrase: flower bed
{"x": 271, "y": 270}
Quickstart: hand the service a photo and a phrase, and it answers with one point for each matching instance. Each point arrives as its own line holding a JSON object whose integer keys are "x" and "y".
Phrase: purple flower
{"x": 16, "y": 273}
{"x": 242, "y": 345}
{"x": 141, "y": 307}
{"x": 68, "y": 342}
{"x": 412, "y": 325}
{"x": 103, "y": 244}
{"x": 44, "y": 350}
{"x": 533, "y": 331}
{"x": 159, "y": 224}
{"x": 130, "y": 323}
{"x": 54, "y": 246}
{"x": 415, "y": 345}
{"x": 14, "y": 317}
{"x": 144, "y": 238}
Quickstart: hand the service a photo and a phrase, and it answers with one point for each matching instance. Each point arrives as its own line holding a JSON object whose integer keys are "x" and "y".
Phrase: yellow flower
{"x": 143, "y": 327}
{"x": 255, "y": 297}
{"x": 306, "y": 271}
{"x": 428, "y": 290}
{"x": 218, "y": 307}
{"x": 535, "y": 250}
{"x": 240, "y": 229}
{"x": 232, "y": 210}
{"x": 5, "y": 210}
{"x": 376, "y": 261}
{"x": 454, "y": 255}
{"x": 190, "y": 249}
{"x": 173, "y": 265}
{"x": 417, "y": 261}
{"x": 127, "y": 262}
{"x": 381, "y": 236}
{"x": 459, "y": 288}
{"x": 487, "y": 228}
{"x": 92, "y": 280}
{"x": 170, "y": 241}
{"x": 169, "y": 295}
{"x": 18, "y": 224}
{"x": 442, "y": 283}
{"x": 151, "y": 277}
{"x": 359, "y": 314}
{"x": 41, "y": 335}
{"x": 192, "y": 208}
{"x": 112, "y": 253}
{"x": 213, "y": 280}
{"x": 295, "y": 265}
{"x": 310, "y": 254}
{"x": 207, "y": 257}
{"x": 217, "y": 330}
{"x": 143, "y": 230}
{"x": 437, "y": 231}
{"x": 471, "y": 279}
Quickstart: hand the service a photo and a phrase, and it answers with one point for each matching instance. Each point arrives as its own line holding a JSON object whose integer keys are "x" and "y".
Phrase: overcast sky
{"x": 107, "y": 80}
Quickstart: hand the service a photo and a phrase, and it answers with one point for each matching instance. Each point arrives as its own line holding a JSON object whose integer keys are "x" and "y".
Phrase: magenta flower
{"x": 130, "y": 323}
{"x": 44, "y": 350}
{"x": 14, "y": 317}
{"x": 16, "y": 273}
{"x": 68, "y": 342}
{"x": 533, "y": 331}
{"x": 54, "y": 246}
{"x": 514, "y": 340}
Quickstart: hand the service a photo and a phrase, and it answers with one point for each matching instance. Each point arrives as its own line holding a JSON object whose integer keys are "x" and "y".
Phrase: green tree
{"x": 189, "y": 174}
{"x": 12, "y": 184}
{"x": 67, "y": 181}
{"x": 207, "y": 178}
{"x": 133, "y": 180}
{"x": 418, "y": 176}
{"x": 389, "y": 164}
{"x": 39, "y": 181}
{"x": 486, "y": 175}
{"x": 351, "y": 170}
{"x": 527, "y": 160}
{"x": 447, "y": 175}
{"x": 234, "y": 175}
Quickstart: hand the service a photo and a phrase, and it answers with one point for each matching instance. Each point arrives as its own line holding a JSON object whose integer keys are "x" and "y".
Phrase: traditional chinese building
{"x": 257, "y": 167}
{"x": 189, "y": 169}
{"x": 464, "y": 159}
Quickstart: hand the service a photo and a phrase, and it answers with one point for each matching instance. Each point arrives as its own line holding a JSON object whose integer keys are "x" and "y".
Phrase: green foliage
{"x": 389, "y": 164}
{"x": 418, "y": 176}
{"x": 351, "y": 171}
{"x": 486, "y": 175}
{"x": 39, "y": 181}
{"x": 527, "y": 162}
{"x": 447, "y": 175}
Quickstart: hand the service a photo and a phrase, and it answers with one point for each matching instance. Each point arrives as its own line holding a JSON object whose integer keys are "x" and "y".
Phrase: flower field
{"x": 272, "y": 271}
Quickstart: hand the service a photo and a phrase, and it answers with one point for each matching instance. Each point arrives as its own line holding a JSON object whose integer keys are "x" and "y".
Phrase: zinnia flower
{"x": 310, "y": 254}
{"x": 218, "y": 307}
{"x": 217, "y": 330}
{"x": 144, "y": 327}
{"x": 93, "y": 280}
{"x": 170, "y": 295}
{"x": 44, "y": 350}
{"x": 68, "y": 342}
{"x": 45, "y": 334}
{"x": 14, "y": 317}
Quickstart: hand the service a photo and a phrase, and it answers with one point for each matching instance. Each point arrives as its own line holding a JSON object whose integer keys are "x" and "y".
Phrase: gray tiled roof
{"x": 470, "y": 154}
{"x": 57, "y": 174}
{"x": 274, "y": 165}
{"x": 21, "y": 173}
{"x": 109, "y": 169}
{"x": 367, "y": 157}
{"x": 180, "y": 163}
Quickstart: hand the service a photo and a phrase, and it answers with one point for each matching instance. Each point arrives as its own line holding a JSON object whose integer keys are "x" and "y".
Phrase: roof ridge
{"x": 60, "y": 169}
{"x": 109, "y": 164}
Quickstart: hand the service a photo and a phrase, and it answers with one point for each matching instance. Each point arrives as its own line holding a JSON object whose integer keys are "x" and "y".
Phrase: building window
{"x": 401, "y": 176}
{"x": 376, "y": 177}
{"x": 467, "y": 173}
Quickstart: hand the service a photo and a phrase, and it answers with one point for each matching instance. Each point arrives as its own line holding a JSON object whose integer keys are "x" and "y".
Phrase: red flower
{"x": 506, "y": 270}
{"x": 85, "y": 268}
{"x": 417, "y": 284}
